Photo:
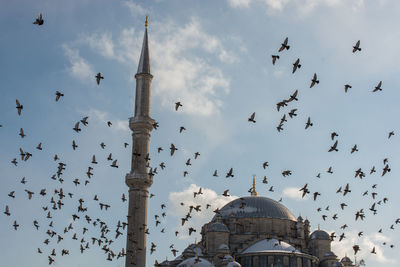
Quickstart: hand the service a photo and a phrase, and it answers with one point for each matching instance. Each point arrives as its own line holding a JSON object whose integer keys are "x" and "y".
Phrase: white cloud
{"x": 80, "y": 68}
{"x": 293, "y": 193}
{"x": 135, "y": 8}
{"x": 102, "y": 43}
{"x": 103, "y": 117}
{"x": 198, "y": 218}
{"x": 303, "y": 7}
{"x": 366, "y": 243}
{"x": 239, "y": 3}
{"x": 182, "y": 72}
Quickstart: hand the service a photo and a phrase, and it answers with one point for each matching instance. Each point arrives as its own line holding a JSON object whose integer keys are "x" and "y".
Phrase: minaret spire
{"x": 253, "y": 191}
{"x": 138, "y": 179}
{"x": 144, "y": 62}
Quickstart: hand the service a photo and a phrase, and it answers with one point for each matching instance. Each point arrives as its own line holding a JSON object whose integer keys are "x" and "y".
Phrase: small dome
{"x": 217, "y": 227}
{"x": 337, "y": 264}
{"x": 268, "y": 245}
{"x": 255, "y": 207}
{"x": 346, "y": 260}
{"x": 223, "y": 246}
{"x": 233, "y": 264}
{"x": 195, "y": 261}
{"x": 320, "y": 235}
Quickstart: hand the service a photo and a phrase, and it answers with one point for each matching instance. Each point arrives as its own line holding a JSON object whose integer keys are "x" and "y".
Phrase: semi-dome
{"x": 217, "y": 227}
{"x": 320, "y": 235}
{"x": 255, "y": 207}
{"x": 269, "y": 245}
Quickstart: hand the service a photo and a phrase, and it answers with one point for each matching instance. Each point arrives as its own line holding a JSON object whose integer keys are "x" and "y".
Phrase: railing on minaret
{"x": 138, "y": 180}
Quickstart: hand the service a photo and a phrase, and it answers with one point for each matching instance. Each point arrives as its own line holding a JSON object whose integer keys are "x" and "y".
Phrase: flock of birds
{"x": 106, "y": 234}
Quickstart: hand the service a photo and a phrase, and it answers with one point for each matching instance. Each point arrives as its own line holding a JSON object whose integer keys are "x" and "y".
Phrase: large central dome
{"x": 255, "y": 207}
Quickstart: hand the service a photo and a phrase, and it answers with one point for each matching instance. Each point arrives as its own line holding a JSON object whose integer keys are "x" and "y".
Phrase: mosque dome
{"x": 269, "y": 245}
{"x": 194, "y": 261}
{"x": 346, "y": 260}
{"x": 217, "y": 227}
{"x": 320, "y": 235}
{"x": 255, "y": 207}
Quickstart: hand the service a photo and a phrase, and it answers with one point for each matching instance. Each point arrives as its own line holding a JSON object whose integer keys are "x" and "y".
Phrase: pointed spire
{"x": 144, "y": 62}
{"x": 254, "y": 192}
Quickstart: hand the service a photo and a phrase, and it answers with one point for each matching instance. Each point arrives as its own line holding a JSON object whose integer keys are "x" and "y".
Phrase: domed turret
{"x": 346, "y": 261}
{"x": 320, "y": 235}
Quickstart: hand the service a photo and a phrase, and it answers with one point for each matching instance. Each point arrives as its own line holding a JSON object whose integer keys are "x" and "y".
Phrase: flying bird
{"x": 39, "y": 20}
{"x": 346, "y": 87}
{"x": 284, "y": 45}
{"x": 274, "y": 58}
{"x": 58, "y": 95}
{"x": 19, "y": 107}
{"x": 252, "y": 117}
{"x": 357, "y": 47}
{"x": 309, "y": 123}
{"x": 314, "y": 80}
{"x": 173, "y": 148}
{"x": 177, "y": 105}
{"x": 296, "y": 65}
{"x": 99, "y": 78}
{"x": 378, "y": 87}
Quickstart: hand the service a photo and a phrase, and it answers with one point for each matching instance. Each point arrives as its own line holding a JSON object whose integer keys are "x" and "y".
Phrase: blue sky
{"x": 214, "y": 57}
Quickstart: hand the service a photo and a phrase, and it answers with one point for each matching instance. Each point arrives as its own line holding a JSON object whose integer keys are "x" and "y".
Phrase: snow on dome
{"x": 217, "y": 227}
{"x": 320, "y": 235}
{"x": 269, "y": 245}
{"x": 233, "y": 264}
{"x": 255, "y": 207}
{"x": 192, "y": 262}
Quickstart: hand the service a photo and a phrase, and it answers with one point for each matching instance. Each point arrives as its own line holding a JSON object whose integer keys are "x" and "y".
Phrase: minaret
{"x": 138, "y": 180}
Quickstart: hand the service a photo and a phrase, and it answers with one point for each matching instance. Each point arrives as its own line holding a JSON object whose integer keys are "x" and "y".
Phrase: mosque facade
{"x": 256, "y": 231}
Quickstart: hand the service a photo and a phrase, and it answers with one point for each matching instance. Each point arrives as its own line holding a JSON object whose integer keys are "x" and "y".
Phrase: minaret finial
{"x": 146, "y": 24}
{"x": 318, "y": 227}
{"x": 254, "y": 192}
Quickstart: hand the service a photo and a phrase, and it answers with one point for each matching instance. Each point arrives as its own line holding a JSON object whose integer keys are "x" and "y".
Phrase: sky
{"x": 215, "y": 58}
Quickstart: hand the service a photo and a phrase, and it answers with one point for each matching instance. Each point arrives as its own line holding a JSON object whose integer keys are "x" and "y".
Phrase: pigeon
{"x": 76, "y": 127}
{"x": 19, "y": 107}
{"x": 314, "y": 80}
{"x": 309, "y": 123}
{"x": 378, "y": 87}
{"x": 58, "y": 95}
{"x": 84, "y": 121}
{"x": 99, "y": 78}
{"x": 114, "y": 164}
{"x": 173, "y": 148}
{"x": 252, "y": 117}
{"x": 274, "y": 58}
{"x": 292, "y": 113}
{"x": 230, "y": 173}
{"x": 346, "y": 87}
{"x": 357, "y": 47}
{"x": 39, "y": 20}
{"x": 284, "y": 45}
{"x": 296, "y": 65}
{"x": 177, "y": 105}
{"x": 390, "y": 134}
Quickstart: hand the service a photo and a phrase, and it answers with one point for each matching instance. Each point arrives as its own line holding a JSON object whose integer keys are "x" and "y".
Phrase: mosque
{"x": 256, "y": 231}
{"x": 251, "y": 231}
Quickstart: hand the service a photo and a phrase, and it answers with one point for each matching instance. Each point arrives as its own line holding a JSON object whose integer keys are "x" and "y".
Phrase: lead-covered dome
{"x": 255, "y": 207}
{"x": 320, "y": 235}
